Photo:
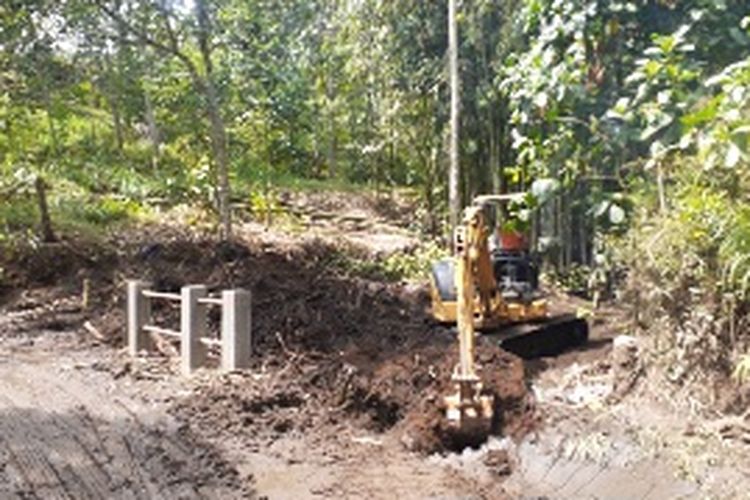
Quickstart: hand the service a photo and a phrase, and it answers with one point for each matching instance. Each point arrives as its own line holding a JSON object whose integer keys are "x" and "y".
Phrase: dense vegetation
{"x": 639, "y": 110}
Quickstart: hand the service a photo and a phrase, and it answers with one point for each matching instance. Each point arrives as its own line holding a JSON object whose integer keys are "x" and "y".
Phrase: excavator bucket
{"x": 469, "y": 412}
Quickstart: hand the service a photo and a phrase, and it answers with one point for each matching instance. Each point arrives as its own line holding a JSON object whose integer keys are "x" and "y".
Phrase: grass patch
{"x": 412, "y": 265}
{"x": 17, "y": 215}
{"x": 90, "y": 215}
{"x": 100, "y": 211}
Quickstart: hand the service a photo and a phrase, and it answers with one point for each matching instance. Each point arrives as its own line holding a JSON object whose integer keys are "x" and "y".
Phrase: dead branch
{"x": 94, "y": 332}
{"x": 172, "y": 49}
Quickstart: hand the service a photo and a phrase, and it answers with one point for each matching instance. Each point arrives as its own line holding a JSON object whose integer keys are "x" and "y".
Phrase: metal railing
{"x": 236, "y": 321}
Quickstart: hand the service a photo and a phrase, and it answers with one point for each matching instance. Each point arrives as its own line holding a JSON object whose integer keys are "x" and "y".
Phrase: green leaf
{"x": 704, "y": 115}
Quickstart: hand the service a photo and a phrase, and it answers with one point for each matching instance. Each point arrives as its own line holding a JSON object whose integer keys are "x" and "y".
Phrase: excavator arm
{"x": 465, "y": 291}
{"x": 469, "y": 410}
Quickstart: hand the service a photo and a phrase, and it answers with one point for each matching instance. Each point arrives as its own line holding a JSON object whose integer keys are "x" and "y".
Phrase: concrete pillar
{"x": 192, "y": 327}
{"x": 236, "y": 334}
{"x": 138, "y": 315}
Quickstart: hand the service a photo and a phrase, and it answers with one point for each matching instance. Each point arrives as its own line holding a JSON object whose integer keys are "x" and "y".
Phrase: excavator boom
{"x": 469, "y": 411}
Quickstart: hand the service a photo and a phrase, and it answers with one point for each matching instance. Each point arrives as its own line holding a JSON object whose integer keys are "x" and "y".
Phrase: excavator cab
{"x": 509, "y": 271}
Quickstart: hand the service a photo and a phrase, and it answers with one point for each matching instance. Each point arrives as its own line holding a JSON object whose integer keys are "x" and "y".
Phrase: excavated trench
{"x": 331, "y": 348}
{"x": 337, "y": 348}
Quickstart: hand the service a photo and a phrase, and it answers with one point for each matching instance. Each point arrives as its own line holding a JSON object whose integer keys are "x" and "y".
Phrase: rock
{"x": 626, "y": 366}
{"x": 499, "y": 462}
{"x": 408, "y": 442}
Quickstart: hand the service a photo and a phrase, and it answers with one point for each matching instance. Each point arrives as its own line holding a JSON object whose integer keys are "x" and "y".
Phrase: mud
{"x": 350, "y": 369}
{"x": 64, "y": 434}
{"x": 340, "y": 347}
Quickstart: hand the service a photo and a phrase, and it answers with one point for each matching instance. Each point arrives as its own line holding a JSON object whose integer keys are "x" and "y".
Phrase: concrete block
{"x": 192, "y": 327}
{"x": 236, "y": 330}
{"x": 138, "y": 315}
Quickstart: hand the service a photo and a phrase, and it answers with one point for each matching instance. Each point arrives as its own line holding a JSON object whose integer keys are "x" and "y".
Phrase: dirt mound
{"x": 392, "y": 393}
{"x": 25, "y": 266}
{"x": 333, "y": 348}
{"x": 425, "y": 429}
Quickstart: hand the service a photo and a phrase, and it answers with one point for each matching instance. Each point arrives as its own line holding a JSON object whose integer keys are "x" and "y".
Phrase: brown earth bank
{"x": 338, "y": 358}
{"x": 345, "y": 347}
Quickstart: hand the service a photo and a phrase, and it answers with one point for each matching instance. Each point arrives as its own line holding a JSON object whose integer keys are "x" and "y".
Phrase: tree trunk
{"x": 45, "y": 222}
{"x": 494, "y": 158}
{"x": 219, "y": 145}
{"x": 51, "y": 123}
{"x": 114, "y": 104}
{"x": 454, "y": 201}
{"x": 331, "y": 152}
{"x": 559, "y": 233}
{"x": 567, "y": 233}
{"x": 583, "y": 233}
{"x": 153, "y": 129}
{"x": 117, "y": 122}
{"x": 218, "y": 131}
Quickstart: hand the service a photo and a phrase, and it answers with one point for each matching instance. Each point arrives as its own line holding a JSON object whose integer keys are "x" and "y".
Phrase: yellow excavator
{"x": 493, "y": 288}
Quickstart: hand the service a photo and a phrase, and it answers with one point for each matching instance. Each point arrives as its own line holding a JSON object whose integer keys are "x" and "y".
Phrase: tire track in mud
{"x": 142, "y": 445}
{"x": 56, "y": 439}
{"x": 50, "y": 446}
{"x": 61, "y": 438}
{"x": 96, "y": 479}
{"x": 35, "y": 476}
{"x": 116, "y": 456}
{"x": 112, "y": 447}
{"x": 110, "y": 477}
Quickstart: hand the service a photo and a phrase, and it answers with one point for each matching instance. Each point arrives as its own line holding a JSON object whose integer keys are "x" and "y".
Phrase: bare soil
{"x": 69, "y": 429}
{"x": 343, "y": 399}
{"x": 344, "y": 396}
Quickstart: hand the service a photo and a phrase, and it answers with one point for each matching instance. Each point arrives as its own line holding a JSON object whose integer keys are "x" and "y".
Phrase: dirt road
{"x": 69, "y": 430}
{"x": 81, "y": 420}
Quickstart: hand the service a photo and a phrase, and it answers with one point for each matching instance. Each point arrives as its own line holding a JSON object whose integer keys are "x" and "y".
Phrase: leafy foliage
{"x": 637, "y": 110}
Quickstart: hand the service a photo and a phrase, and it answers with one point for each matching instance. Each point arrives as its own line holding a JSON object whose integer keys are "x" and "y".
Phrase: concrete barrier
{"x": 236, "y": 324}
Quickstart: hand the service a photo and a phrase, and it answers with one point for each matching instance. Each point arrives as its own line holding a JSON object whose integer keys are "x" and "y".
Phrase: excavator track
{"x": 545, "y": 337}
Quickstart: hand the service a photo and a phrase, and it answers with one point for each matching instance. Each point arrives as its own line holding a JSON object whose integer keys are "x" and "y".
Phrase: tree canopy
{"x": 633, "y": 107}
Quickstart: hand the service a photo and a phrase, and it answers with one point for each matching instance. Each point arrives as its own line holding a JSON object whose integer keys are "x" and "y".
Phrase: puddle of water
{"x": 591, "y": 466}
